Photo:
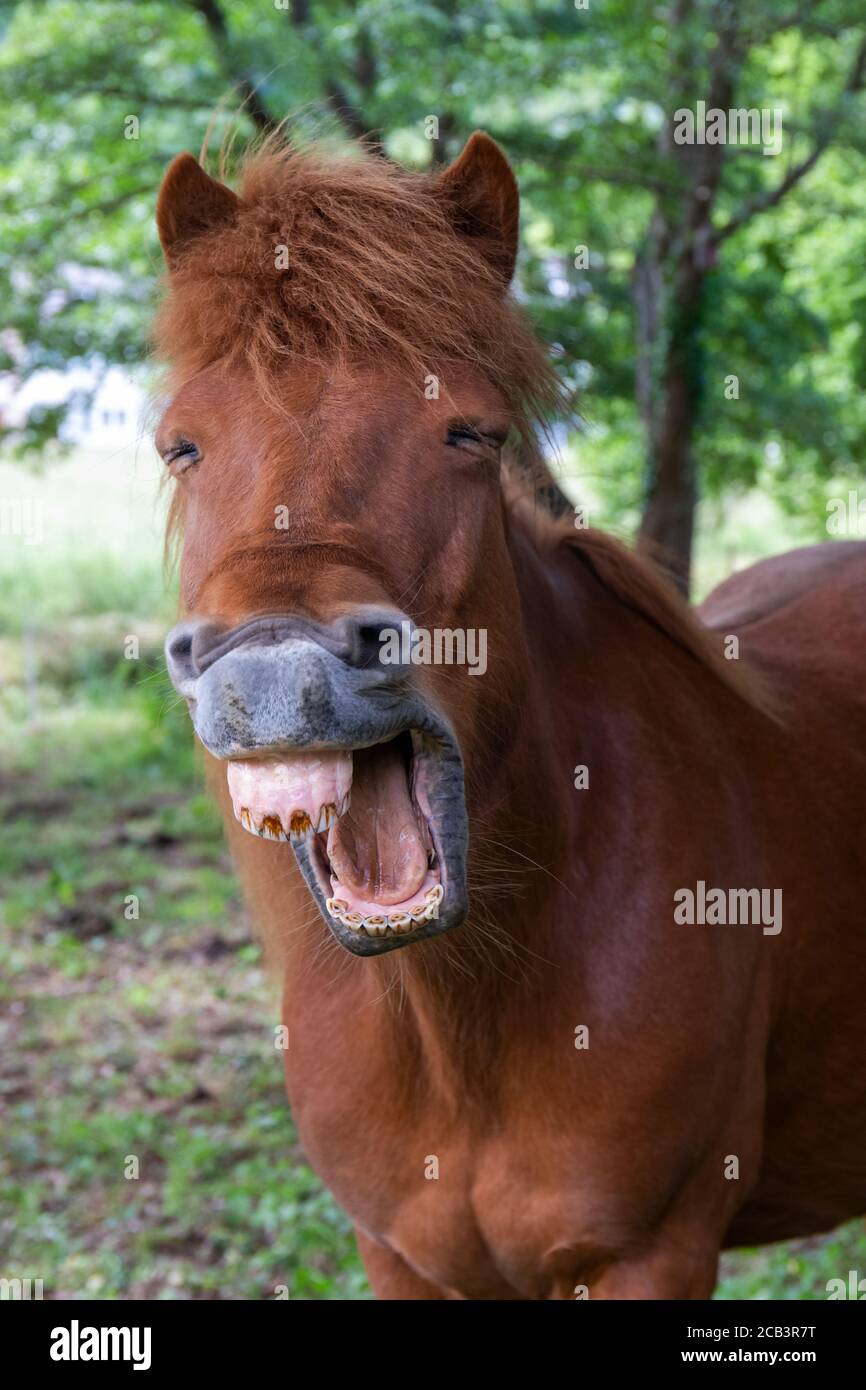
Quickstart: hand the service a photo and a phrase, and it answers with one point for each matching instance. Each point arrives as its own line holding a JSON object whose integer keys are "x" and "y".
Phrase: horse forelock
{"x": 336, "y": 257}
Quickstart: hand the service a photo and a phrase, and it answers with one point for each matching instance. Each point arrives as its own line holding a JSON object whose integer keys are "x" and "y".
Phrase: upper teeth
{"x": 300, "y": 823}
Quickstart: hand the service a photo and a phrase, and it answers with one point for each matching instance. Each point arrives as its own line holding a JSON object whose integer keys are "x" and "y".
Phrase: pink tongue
{"x": 376, "y": 849}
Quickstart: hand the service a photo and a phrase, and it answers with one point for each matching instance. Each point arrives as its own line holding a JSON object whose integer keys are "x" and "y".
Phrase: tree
{"x": 683, "y": 240}
{"x": 659, "y": 271}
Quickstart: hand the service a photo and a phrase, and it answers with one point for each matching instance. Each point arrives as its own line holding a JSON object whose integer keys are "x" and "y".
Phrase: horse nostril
{"x": 377, "y": 638}
{"x": 184, "y": 647}
{"x": 369, "y": 643}
{"x": 179, "y": 645}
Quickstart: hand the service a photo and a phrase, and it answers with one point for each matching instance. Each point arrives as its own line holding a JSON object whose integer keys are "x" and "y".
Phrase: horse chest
{"x": 494, "y": 1236}
{"x": 478, "y": 1218}
{"x": 526, "y": 1200}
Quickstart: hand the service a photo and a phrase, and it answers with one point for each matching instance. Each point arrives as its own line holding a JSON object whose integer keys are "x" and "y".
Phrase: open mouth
{"x": 363, "y": 827}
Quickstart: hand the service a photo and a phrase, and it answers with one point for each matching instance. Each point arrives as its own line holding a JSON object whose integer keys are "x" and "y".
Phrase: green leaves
{"x": 100, "y": 95}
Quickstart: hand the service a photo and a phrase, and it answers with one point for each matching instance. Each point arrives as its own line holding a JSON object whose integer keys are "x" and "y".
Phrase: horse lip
{"x": 262, "y": 699}
{"x": 212, "y": 642}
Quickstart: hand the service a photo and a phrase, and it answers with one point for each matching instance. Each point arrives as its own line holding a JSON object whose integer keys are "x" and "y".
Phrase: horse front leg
{"x": 669, "y": 1271}
{"x": 390, "y": 1276}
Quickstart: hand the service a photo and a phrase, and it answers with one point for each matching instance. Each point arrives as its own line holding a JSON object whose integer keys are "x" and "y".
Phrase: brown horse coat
{"x": 573, "y": 1088}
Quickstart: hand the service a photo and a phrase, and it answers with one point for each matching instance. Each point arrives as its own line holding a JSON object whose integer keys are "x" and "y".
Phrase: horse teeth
{"x": 271, "y": 828}
{"x": 378, "y": 924}
{"x": 300, "y": 823}
{"x": 435, "y": 894}
{"x": 327, "y": 814}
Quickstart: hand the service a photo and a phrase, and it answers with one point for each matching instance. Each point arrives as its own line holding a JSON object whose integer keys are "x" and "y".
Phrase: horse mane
{"x": 374, "y": 269}
{"x": 640, "y": 584}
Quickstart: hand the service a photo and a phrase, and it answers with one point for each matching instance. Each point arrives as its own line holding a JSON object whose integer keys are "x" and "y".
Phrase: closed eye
{"x": 181, "y": 455}
{"x": 464, "y": 436}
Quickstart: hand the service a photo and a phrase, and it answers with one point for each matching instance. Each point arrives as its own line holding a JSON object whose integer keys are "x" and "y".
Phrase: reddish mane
{"x": 345, "y": 219}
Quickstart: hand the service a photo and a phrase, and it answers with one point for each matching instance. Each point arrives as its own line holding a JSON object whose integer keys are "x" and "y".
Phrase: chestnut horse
{"x": 625, "y": 854}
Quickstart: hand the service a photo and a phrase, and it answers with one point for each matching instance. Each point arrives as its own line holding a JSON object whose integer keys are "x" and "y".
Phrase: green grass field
{"x": 150, "y": 1037}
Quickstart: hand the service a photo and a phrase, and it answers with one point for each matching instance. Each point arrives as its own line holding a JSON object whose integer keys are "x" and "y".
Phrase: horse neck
{"x": 453, "y": 997}
{"x": 600, "y": 684}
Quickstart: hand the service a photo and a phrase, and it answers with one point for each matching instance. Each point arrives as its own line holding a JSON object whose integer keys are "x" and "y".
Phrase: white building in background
{"x": 107, "y": 406}
{"x": 115, "y": 415}
{"x": 106, "y": 403}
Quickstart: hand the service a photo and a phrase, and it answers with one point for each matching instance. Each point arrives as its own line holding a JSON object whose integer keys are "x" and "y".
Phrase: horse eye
{"x": 459, "y": 436}
{"x": 183, "y": 454}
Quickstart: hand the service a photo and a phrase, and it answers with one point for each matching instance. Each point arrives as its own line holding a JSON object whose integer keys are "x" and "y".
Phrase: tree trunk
{"x": 668, "y": 522}
{"x": 667, "y": 525}
{"x": 669, "y": 285}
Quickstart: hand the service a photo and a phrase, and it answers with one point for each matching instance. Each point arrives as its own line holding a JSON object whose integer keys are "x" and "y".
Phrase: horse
{"x": 572, "y": 948}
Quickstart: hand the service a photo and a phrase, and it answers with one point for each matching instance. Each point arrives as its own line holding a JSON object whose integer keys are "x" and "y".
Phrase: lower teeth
{"x": 399, "y": 922}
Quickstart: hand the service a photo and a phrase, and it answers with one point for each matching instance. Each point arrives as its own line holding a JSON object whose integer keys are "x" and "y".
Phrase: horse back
{"x": 765, "y": 589}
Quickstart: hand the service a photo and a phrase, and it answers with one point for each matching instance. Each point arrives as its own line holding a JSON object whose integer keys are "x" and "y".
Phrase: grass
{"x": 139, "y": 1025}
{"x": 147, "y": 1150}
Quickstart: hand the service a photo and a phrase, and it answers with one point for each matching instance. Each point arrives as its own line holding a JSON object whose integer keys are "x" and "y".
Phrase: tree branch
{"x": 797, "y": 172}
{"x": 804, "y": 18}
{"x": 336, "y": 96}
{"x": 40, "y": 242}
{"x": 215, "y": 20}
{"x": 559, "y": 155}
{"x": 136, "y": 100}
{"x": 441, "y": 145}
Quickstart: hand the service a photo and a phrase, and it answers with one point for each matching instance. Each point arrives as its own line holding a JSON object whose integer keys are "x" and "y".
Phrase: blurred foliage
{"x": 577, "y": 96}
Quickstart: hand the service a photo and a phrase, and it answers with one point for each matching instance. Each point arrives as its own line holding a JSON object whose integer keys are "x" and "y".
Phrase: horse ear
{"x": 482, "y": 196}
{"x": 190, "y": 203}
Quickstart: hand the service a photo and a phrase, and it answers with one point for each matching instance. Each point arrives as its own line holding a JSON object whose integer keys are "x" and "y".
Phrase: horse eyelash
{"x": 459, "y": 431}
{"x": 183, "y": 449}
